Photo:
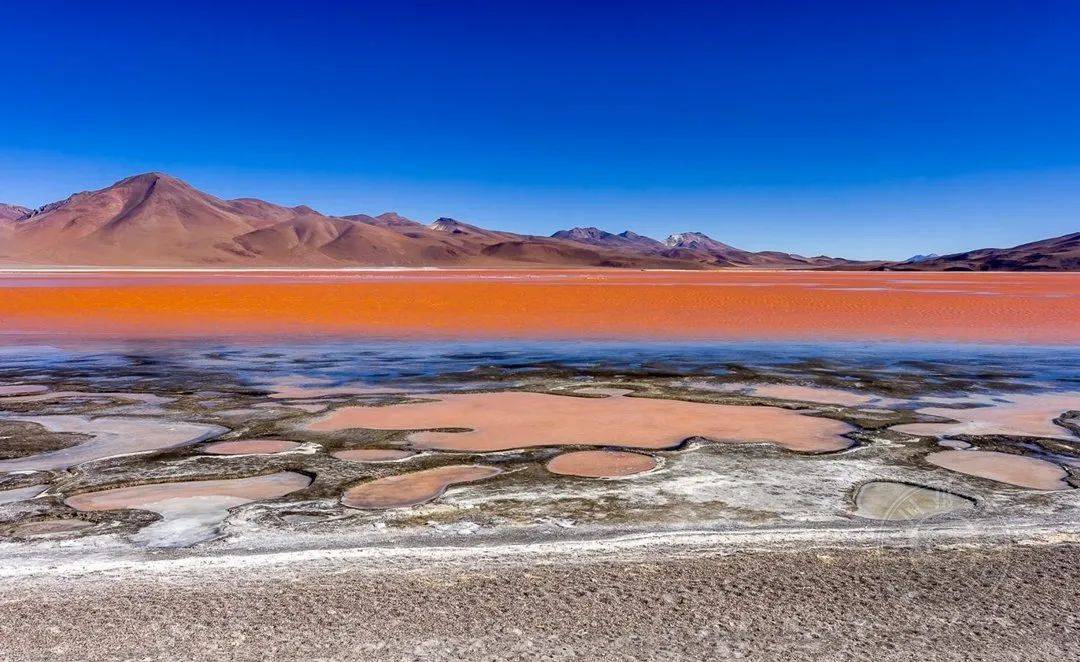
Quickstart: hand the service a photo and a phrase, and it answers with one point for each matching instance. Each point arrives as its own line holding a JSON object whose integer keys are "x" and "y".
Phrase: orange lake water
{"x": 952, "y": 306}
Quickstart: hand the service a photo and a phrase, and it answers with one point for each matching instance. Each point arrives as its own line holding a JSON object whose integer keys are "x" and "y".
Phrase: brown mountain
{"x": 150, "y": 219}
{"x": 598, "y": 237}
{"x": 157, "y": 220}
{"x": 1056, "y": 254}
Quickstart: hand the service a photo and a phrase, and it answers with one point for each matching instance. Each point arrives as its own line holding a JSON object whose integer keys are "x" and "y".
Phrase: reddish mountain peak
{"x": 150, "y": 178}
{"x": 130, "y": 191}
{"x": 128, "y": 188}
{"x": 584, "y": 234}
{"x": 151, "y": 181}
{"x": 395, "y": 219}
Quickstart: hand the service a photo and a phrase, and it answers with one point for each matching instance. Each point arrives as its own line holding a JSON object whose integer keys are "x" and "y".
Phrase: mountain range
{"x": 155, "y": 220}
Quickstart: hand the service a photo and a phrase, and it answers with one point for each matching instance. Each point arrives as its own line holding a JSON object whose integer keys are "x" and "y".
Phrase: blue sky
{"x": 858, "y": 129}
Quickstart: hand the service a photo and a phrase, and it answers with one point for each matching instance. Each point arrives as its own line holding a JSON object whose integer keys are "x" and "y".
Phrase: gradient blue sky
{"x": 863, "y": 129}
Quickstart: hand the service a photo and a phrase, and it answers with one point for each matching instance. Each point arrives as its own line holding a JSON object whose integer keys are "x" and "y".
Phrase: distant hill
{"x": 921, "y": 258}
{"x": 695, "y": 247}
{"x": 598, "y": 237}
{"x": 1056, "y": 254}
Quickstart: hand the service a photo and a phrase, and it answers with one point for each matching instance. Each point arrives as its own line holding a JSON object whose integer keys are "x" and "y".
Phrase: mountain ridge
{"x": 156, "y": 220}
{"x": 14, "y": 212}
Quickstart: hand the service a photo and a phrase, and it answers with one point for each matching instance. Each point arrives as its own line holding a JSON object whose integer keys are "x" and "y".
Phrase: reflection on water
{"x": 1029, "y": 472}
{"x": 321, "y": 367}
{"x": 414, "y": 488}
{"x": 190, "y": 511}
{"x": 107, "y": 437}
{"x": 504, "y": 421}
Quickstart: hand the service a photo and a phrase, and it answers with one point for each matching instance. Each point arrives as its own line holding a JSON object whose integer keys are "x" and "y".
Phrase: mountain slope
{"x": 921, "y": 258}
{"x": 464, "y": 230}
{"x": 387, "y": 220}
{"x": 146, "y": 219}
{"x": 1055, "y": 254}
{"x": 13, "y": 212}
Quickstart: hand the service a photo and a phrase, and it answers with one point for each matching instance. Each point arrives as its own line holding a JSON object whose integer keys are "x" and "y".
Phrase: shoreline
{"x": 105, "y": 269}
{"x": 105, "y": 555}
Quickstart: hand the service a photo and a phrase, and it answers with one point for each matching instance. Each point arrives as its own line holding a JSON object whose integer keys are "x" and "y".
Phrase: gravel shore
{"x": 1007, "y": 602}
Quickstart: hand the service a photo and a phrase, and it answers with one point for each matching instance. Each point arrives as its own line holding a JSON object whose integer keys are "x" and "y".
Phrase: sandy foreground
{"x": 956, "y": 601}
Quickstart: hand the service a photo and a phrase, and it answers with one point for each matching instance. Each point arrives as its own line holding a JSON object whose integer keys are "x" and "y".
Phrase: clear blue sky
{"x": 864, "y": 129}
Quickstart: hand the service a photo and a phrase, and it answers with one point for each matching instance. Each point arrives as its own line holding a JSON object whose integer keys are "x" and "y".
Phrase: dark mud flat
{"x": 1013, "y": 602}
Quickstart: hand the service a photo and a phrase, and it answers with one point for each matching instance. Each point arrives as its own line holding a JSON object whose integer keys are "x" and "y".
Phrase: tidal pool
{"x": 1028, "y": 415}
{"x": 110, "y": 436}
{"x": 413, "y": 488}
{"x": 21, "y": 389}
{"x": 250, "y": 447}
{"x": 145, "y": 398}
{"x": 888, "y": 500}
{"x": 190, "y": 511}
{"x": 21, "y": 493}
{"x": 1006, "y": 468}
{"x": 49, "y": 527}
{"x": 600, "y": 464}
{"x": 374, "y": 454}
{"x": 511, "y": 419}
{"x": 955, "y": 444}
